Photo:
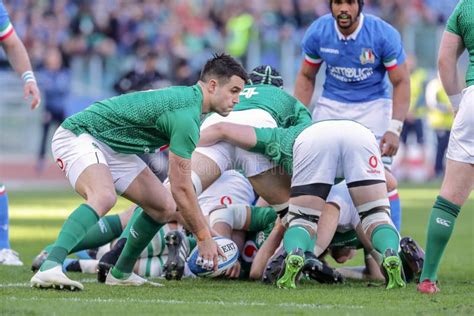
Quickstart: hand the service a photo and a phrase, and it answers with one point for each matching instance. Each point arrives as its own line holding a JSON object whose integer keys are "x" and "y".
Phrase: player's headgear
{"x": 266, "y": 74}
{"x": 360, "y": 2}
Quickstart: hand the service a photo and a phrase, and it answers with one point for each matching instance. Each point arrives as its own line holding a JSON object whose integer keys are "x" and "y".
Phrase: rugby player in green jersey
{"x": 97, "y": 149}
{"x": 316, "y": 154}
{"x": 262, "y": 104}
{"x": 459, "y": 175}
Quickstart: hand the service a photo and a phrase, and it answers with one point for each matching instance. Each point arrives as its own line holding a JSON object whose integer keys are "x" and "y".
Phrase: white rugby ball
{"x": 230, "y": 250}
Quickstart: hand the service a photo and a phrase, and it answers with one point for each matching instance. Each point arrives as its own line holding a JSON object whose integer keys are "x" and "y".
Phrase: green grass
{"x": 37, "y": 217}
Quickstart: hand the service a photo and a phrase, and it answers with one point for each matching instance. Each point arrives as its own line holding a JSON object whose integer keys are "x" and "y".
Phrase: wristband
{"x": 455, "y": 101}
{"x": 395, "y": 127}
{"x": 28, "y": 76}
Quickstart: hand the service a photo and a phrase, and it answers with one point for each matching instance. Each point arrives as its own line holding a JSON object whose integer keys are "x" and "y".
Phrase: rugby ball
{"x": 228, "y": 247}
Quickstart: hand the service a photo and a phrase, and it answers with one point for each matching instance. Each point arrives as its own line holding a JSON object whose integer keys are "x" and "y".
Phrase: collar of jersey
{"x": 353, "y": 36}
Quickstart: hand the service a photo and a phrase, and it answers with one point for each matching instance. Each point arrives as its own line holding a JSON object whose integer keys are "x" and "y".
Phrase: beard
{"x": 345, "y": 21}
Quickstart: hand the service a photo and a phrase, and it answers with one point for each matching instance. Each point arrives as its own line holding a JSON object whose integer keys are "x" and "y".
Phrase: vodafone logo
{"x": 60, "y": 164}
{"x": 249, "y": 251}
{"x": 226, "y": 200}
{"x": 373, "y": 162}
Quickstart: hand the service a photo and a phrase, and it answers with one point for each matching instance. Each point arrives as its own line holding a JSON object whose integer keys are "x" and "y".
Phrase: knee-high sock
{"x": 395, "y": 208}
{"x": 440, "y": 227}
{"x": 126, "y": 231}
{"x": 4, "y": 241}
{"x": 105, "y": 230}
{"x": 73, "y": 231}
{"x": 298, "y": 237}
{"x": 385, "y": 236}
{"x": 141, "y": 232}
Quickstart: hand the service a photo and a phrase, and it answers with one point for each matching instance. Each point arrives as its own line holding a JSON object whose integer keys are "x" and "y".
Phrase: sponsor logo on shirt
{"x": 61, "y": 164}
{"x": 329, "y": 50}
{"x": 226, "y": 200}
{"x": 350, "y": 74}
{"x": 373, "y": 163}
{"x": 367, "y": 56}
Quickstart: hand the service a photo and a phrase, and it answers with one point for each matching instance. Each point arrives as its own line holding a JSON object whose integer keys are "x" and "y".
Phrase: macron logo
{"x": 443, "y": 221}
{"x": 329, "y": 50}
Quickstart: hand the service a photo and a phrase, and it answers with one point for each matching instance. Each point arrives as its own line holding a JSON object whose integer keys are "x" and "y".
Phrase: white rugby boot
{"x": 54, "y": 278}
{"x": 9, "y": 257}
{"x": 132, "y": 280}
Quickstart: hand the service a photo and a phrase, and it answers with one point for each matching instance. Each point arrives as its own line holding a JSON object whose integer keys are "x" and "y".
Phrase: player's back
{"x": 284, "y": 108}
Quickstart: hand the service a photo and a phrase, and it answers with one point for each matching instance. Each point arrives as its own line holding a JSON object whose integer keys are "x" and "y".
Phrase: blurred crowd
{"x": 179, "y": 31}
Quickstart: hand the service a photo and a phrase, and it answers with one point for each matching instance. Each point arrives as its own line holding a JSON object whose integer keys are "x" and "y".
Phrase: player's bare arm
{"x": 305, "y": 82}
{"x": 450, "y": 49}
{"x": 400, "y": 79}
{"x": 20, "y": 61}
{"x": 239, "y": 135}
{"x": 186, "y": 201}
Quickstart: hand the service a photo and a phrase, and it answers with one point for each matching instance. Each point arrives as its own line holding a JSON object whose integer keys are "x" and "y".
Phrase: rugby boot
{"x": 412, "y": 256}
{"x": 392, "y": 270}
{"x": 56, "y": 279}
{"x": 291, "y": 268}
{"x": 109, "y": 260}
{"x": 320, "y": 271}
{"x": 178, "y": 251}
{"x": 132, "y": 280}
{"x": 274, "y": 265}
{"x": 428, "y": 287}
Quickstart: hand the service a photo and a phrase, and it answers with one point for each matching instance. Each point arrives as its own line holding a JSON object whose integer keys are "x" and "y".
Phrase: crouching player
{"x": 316, "y": 155}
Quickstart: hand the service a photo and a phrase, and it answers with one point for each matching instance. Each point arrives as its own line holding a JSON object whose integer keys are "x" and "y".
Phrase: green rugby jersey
{"x": 461, "y": 22}
{"x": 277, "y": 144}
{"x": 284, "y": 108}
{"x": 145, "y": 121}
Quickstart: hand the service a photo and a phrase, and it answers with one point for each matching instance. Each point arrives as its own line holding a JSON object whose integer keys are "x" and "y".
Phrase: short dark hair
{"x": 266, "y": 74}
{"x": 222, "y": 67}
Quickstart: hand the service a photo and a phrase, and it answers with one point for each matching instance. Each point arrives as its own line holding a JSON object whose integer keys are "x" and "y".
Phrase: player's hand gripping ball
{"x": 230, "y": 250}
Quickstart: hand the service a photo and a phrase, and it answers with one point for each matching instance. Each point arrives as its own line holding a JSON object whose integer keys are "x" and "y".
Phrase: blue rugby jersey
{"x": 6, "y": 28}
{"x": 356, "y": 65}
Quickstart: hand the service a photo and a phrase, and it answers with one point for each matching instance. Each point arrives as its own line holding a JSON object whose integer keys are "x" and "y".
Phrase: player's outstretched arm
{"x": 18, "y": 57}
{"x": 186, "y": 201}
{"x": 239, "y": 135}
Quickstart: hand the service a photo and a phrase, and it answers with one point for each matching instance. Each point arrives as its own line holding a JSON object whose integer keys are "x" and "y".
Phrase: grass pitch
{"x": 37, "y": 217}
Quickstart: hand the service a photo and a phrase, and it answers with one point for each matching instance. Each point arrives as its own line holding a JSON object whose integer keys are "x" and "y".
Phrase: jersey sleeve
{"x": 268, "y": 143}
{"x": 303, "y": 115}
{"x": 6, "y": 27}
{"x": 452, "y": 25}
{"x": 393, "y": 53}
{"x": 310, "y": 45}
{"x": 182, "y": 130}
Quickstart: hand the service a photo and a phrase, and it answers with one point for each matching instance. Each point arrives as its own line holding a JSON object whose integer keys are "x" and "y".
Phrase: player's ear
{"x": 212, "y": 85}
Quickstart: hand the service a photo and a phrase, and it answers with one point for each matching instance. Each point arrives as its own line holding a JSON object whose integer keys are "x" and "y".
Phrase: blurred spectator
{"x": 54, "y": 81}
{"x": 184, "y": 75}
{"x": 414, "y": 120}
{"x": 440, "y": 118}
{"x": 143, "y": 77}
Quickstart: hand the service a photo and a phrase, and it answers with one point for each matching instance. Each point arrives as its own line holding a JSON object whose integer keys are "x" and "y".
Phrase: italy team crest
{"x": 367, "y": 56}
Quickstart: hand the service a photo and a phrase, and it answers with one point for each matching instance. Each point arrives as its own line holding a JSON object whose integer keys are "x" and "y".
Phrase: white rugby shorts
{"x": 336, "y": 149}
{"x": 461, "y": 140}
{"x": 74, "y": 154}
{"x": 231, "y": 188}
{"x": 227, "y": 156}
{"x": 348, "y": 215}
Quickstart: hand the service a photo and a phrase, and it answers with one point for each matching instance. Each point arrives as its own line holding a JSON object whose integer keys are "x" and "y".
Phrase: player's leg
{"x": 457, "y": 185}
{"x": 158, "y": 205}
{"x": 7, "y": 256}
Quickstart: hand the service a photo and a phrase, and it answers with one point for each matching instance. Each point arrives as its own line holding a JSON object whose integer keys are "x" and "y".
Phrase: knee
{"x": 103, "y": 202}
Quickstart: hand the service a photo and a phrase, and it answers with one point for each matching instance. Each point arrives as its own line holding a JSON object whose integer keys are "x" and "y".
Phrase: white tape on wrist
{"x": 455, "y": 101}
{"x": 395, "y": 127}
{"x": 28, "y": 76}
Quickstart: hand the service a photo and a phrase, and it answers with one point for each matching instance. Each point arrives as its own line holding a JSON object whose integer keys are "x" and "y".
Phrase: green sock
{"x": 142, "y": 231}
{"x": 73, "y": 231}
{"x": 262, "y": 219}
{"x": 385, "y": 236}
{"x": 298, "y": 237}
{"x": 105, "y": 230}
{"x": 440, "y": 227}
{"x": 138, "y": 210}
